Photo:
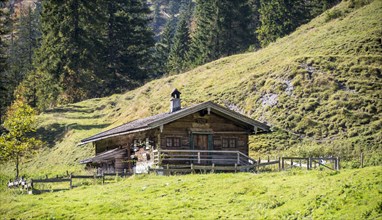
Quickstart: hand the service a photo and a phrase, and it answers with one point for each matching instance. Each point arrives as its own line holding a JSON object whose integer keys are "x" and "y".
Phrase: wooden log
{"x": 82, "y": 176}
{"x": 51, "y": 180}
{"x": 295, "y": 158}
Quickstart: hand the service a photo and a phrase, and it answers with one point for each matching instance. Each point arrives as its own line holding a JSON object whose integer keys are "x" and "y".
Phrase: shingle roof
{"x": 164, "y": 118}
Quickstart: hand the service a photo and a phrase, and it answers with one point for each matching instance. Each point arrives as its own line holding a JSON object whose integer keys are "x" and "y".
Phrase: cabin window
{"x": 229, "y": 142}
{"x": 172, "y": 142}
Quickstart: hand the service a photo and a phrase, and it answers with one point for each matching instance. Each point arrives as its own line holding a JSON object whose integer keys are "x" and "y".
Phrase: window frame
{"x": 171, "y": 141}
{"x": 227, "y": 142}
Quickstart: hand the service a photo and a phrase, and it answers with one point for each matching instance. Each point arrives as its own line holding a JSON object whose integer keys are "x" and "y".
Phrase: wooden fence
{"x": 192, "y": 168}
{"x": 282, "y": 163}
{"x": 30, "y": 186}
{"x": 332, "y": 163}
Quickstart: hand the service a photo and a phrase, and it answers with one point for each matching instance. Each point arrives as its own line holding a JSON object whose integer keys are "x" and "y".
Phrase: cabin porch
{"x": 201, "y": 157}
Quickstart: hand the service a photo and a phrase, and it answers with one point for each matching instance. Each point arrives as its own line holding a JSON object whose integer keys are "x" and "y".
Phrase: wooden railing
{"x": 332, "y": 163}
{"x": 202, "y": 157}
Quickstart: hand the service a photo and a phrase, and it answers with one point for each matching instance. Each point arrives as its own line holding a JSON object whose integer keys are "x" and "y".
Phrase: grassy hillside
{"x": 350, "y": 194}
{"x": 319, "y": 88}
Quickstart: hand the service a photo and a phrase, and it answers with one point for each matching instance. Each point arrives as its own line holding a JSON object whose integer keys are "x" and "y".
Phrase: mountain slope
{"x": 320, "y": 88}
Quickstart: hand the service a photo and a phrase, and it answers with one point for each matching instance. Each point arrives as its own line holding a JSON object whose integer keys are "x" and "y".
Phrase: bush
{"x": 333, "y": 14}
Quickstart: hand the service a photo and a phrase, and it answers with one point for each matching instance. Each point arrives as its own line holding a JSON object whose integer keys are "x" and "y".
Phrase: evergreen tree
{"x": 67, "y": 57}
{"x": 275, "y": 21}
{"x": 280, "y": 17}
{"x": 254, "y": 22}
{"x": 202, "y": 37}
{"x": 316, "y": 7}
{"x": 27, "y": 41}
{"x": 178, "y": 53}
{"x": 5, "y": 91}
{"x": 222, "y": 29}
{"x": 163, "y": 47}
{"x": 130, "y": 43}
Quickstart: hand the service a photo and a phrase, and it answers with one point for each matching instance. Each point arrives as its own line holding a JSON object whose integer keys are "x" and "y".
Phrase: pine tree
{"x": 5, "y": 91}
{"x": 26, "y": 43}
{"x": 68, "y": 56}
{"x": 202, "y": 36}
{"x": 222, "y": 29}
{"x": 254, "y": 22}
{"x": 177, "y": 57}
{"x": 130, "y": 43}
{"x": 163, "y": 47}
{"x": 280, "y": 17}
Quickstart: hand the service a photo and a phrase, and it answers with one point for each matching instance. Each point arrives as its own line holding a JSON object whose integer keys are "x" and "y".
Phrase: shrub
{"x": 333, "y": 14}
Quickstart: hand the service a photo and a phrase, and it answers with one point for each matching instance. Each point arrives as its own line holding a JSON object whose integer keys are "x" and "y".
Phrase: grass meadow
{"x": 292, "y": 194}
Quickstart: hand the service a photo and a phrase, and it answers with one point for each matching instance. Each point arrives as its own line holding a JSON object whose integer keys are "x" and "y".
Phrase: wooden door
{"x": 201, "y": 143}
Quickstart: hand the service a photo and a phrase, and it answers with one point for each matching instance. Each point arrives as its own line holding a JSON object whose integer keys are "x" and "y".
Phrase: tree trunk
{"x": 17, "y": 166}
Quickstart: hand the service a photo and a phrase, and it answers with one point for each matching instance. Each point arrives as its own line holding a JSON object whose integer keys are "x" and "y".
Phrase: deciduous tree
{"x": 16, "y": 143}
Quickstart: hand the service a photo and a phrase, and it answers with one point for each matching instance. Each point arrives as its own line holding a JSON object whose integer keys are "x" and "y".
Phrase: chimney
{"x": 175, "y": 101}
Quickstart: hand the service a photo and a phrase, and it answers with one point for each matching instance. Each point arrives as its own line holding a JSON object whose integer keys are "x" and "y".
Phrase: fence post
{"x": 71, "y": 182}
{"x": 235, "y": 167}
{"x": 199, "y": 157}
{"x": 259, "y": 161}
{"x": 282, "y": 163}
{"x": 238, "y": 158}
{"x": 167, "y": 170}
{"x": 213, "y": 168}
{"x": 308, "y": 163}
{"x": 67, "y": 173}
{"x": 291, "y": 163}
{"x": 192, "y": 168}
{"x": 159, "y": 158}
{"x": 268, "y": 159}
{"x": 334, "y": 163}
{"x": 279, "y": 164}
{"x": 361, "y": 159}
{"x": 338, "y": 163}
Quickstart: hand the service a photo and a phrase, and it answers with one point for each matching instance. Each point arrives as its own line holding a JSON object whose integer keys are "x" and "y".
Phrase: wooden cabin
{"x": 205, "y": 133}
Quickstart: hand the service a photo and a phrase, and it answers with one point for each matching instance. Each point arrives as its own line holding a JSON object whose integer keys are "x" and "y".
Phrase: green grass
{"x": 319, "y": 88}
{"x": 294, "y": 194}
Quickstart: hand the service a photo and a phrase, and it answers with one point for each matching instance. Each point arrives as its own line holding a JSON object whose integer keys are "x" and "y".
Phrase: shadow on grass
{"x": 40, "y": 191}
{"x": 56, "y": 132}
{"x": 78, "y": 109}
